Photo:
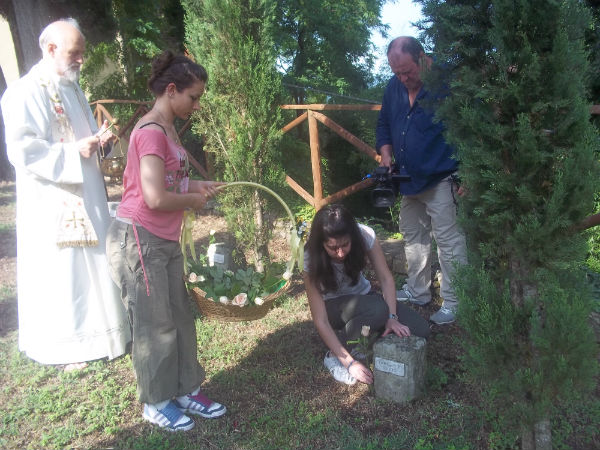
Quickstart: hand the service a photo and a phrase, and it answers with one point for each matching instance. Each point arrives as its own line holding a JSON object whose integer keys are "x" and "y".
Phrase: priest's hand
{"x": 88, "y": 146}
{"x": 104, "y": 134}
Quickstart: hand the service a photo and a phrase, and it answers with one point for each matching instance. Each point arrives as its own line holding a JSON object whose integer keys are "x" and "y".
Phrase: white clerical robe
{"x": 69, "y": 308}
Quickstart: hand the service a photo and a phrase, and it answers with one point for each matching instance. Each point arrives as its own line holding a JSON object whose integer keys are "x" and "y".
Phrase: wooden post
{"x": 300, "y": 190}
{"x": 315, "y": 160}
{"x": 342, "y": 132}
{"x": 98, "y": 116}
{"x": 194, "y": 162}
{"x": 301, "y": 118}
{"x": 103, "y": 114}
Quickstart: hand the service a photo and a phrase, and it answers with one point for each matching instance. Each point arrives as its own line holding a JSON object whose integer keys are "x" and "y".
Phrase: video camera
{"x": 386, "y": 189}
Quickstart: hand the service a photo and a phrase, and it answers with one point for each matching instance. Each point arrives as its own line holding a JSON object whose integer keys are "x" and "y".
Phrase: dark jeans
{"x": 348, "y": 313}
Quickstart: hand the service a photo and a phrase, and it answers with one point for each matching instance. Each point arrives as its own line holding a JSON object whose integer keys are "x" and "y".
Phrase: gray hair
{"x": 48, "y": 33}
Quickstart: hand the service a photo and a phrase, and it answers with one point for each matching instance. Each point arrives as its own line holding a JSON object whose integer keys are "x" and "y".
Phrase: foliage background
{"x": 518, "y": 116}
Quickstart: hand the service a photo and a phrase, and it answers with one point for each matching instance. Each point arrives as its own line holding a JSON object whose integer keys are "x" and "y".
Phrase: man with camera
{"x": 406, "y": 131}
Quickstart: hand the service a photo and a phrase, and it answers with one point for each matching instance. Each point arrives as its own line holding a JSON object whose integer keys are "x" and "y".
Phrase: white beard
{"x": 72, "y": 74}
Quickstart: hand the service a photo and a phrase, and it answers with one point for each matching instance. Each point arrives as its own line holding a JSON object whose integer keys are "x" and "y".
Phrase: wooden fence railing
{"x": 312, "y": 114}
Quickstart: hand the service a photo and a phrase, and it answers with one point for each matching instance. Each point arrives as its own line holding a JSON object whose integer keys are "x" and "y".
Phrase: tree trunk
{"x": 259, "y": 248}
{"x": 28, "y": 19}
{"x": 520, "y": 287}
{"x": 537, "y": 438}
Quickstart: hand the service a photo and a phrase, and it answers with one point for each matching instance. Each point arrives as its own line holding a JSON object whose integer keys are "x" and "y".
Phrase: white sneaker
{"x": 168, "y": 417}
{"x": 200, "y": 405}
{"x": 337, "y": 370}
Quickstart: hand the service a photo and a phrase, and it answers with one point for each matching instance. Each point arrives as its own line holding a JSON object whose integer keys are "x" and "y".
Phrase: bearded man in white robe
{"x": 69, "y": 309}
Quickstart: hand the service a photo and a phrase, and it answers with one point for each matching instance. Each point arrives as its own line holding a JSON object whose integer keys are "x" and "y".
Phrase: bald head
{"x": 56, "y": 30}
{"x": 406, "y": 44}
{"x": 406, "y": 57}
{"x": 63, "y": 44}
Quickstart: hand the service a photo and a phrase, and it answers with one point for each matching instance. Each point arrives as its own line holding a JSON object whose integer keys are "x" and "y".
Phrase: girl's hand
{"x": 209, "y": 188}
{"x": 359, "y": 371}
{"x": 206, "y": 189}
{"x": 202, "y": 191}
{"x": 197, "y": 201}
{"x": 399, "y": 329}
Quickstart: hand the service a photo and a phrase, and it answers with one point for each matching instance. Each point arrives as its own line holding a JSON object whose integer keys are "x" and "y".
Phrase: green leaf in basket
{"x": 220, "y": 289}
{"x": 275, "y": 286}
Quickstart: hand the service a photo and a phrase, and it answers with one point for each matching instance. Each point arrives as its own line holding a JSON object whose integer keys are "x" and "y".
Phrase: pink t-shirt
{"x": 147, "y": 141}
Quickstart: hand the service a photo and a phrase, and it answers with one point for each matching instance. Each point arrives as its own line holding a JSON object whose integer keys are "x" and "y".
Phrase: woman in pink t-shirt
{"x": 145, "y": 255}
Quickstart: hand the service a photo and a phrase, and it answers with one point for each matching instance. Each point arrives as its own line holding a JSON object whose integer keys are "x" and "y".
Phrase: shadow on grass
{"x": 8, "y": 315}
{"x": 270, "y": 375}
{"x": 278, "y": 396}
{"x": 8, "y": 243}
{"x": 8, "y": 193}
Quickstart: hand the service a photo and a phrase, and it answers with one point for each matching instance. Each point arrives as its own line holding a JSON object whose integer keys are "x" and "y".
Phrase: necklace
{"x": 174, "y": 136}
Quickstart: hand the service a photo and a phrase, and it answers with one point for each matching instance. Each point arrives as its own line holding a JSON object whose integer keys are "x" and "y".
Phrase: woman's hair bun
{"x": 169, "y": 67}
{"x": 161, "y": 63}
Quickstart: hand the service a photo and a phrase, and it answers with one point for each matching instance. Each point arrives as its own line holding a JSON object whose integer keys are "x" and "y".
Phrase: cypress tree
{"x": 240, "y": 116}
{"x": 516, "y": 111}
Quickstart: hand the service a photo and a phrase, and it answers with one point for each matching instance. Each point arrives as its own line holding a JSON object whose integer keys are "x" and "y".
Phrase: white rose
{"x": 224, "y": 300}
{"x": 365, "y": 330}
{"x": 240, "y": 299}
{"x": 212, "y": 232}
{"x": 201, "y": 278}
{"x": 287, "y": 275}
{"x": 192, "y": 277}
{"x": 258, "y": 301}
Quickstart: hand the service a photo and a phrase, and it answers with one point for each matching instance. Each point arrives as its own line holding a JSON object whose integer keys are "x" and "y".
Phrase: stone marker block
{"x": 399, "y": 368}
{"x": 219, "y": 255}
{"x": 395, "y": 257}
{"x": 393, "y": 250}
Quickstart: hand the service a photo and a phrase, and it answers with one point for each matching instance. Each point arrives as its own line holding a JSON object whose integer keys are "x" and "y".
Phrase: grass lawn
{"x": 269, "y": 374}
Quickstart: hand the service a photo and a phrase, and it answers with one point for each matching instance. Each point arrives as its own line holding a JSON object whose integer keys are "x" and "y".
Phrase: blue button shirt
{"x": 419, "y": 146}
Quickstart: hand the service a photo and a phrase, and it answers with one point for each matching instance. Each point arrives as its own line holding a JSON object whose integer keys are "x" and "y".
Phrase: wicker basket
{"x": 231, "y": 313}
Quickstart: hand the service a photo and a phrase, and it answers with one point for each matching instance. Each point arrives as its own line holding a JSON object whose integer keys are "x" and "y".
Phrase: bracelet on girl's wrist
{"x": 352, "y": 362}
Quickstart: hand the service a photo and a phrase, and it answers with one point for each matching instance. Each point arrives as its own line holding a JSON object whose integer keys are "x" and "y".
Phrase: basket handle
{"x": 297, "y": 250}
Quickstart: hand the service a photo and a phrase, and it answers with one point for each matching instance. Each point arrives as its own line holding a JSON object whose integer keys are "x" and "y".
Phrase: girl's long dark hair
{"x": 334, "y": 221}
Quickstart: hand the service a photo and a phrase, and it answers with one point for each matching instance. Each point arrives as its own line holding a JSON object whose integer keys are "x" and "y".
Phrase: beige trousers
{"x": 432, "y": 213}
